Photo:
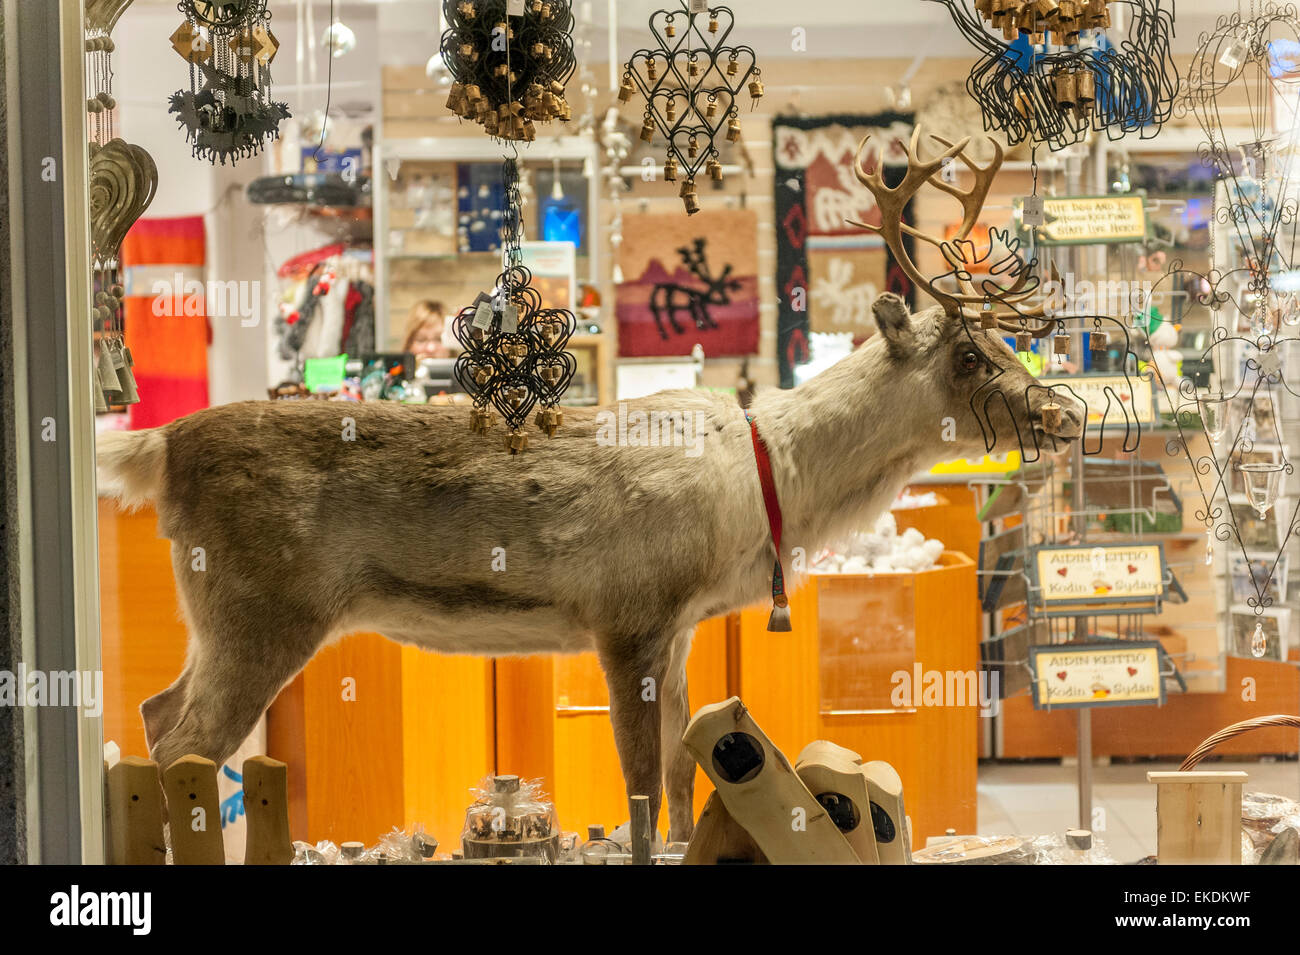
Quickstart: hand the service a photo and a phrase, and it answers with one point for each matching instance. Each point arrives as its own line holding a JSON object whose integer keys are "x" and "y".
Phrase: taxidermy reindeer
{"x": 618, "y": 549}
{"x": 669, "y": 299}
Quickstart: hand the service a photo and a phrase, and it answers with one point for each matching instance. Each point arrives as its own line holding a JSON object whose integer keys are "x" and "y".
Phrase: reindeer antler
{"x": 892, "y": 228}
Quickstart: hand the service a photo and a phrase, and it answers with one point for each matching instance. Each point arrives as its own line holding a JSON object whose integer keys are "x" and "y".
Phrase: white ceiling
{"x": 834, "y": 28}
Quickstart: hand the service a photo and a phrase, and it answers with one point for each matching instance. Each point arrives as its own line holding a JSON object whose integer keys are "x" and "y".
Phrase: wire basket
{"x": 1232, "y": 732}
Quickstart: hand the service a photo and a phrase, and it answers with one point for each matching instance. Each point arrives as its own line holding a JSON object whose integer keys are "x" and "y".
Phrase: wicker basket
{"x": 1232, "y": 732}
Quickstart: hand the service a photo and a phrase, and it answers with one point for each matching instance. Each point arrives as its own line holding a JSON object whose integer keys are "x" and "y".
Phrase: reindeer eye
{"x": 970, "y": 360}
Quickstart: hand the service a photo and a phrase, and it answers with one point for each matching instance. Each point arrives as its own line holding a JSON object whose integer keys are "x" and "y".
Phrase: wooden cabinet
{"x": 783, "y": 678}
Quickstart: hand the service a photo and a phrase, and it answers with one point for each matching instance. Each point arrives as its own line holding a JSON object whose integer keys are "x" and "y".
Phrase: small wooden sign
{"x": 1091, "y": 220}
{"x": 1107, "y": 395}
{"x": 1076, "y": 676}
{"x": 1105, "y": 578}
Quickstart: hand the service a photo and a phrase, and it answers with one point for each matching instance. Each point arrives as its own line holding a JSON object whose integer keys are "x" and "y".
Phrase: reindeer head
{"x": 957, "y": 348}
{"x": 958, "y": 373}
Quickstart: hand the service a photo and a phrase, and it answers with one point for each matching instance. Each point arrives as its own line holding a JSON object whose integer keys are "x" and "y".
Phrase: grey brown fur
{"x": 620, "y": 550}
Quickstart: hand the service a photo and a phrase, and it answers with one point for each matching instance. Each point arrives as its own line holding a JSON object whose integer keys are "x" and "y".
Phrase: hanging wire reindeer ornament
{"x": 691, "y": 81}
{"x": 999, "y": 302}
{"x": 229, "y": 45}
{"x": 513, "y": 359}
{"x": 1071, "y": 80}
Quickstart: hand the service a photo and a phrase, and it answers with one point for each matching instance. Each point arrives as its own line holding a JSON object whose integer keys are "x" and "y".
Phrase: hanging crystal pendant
{"x": 1258, "y": 642}
{"x": 1209, "y": 547}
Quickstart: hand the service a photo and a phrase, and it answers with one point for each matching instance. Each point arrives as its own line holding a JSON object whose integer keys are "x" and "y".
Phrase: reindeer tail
{"x": 129, "y": 465}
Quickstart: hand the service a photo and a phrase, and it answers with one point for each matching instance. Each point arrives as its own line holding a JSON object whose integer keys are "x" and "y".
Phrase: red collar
{"x": 779, "y": 621}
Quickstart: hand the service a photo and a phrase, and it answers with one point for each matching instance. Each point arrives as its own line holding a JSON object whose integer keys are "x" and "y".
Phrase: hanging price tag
{"x": 1234, "y": 54}
{"x": 699, "y": 6}
{"x": 483, "y": 311}
{"x": 515, "y": 8}
{"x": 510, "y": 318}
{"x": 1032, "y": 213}
{"x": 949, "y": 171}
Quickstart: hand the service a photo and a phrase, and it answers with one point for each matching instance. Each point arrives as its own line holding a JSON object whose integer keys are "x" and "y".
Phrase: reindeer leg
{"x": 634, "y": 708}
{"x": 659, "y": 319}
{"x": 242, "y": 651}
{"x": 679, "y": 764}
{"x": 672, "y": 319}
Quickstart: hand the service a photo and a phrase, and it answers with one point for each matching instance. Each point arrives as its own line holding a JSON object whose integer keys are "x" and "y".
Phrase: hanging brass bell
{"x": 1051, "y": 417}
{"x": 713, "y": 23}
{"x": 626, "y": 89}
{"x": 648, "y": 129}
{"x": 693, "y": 68}
{"x": 652, "y": 68}
{"x": 670, "y": 29}
{"x": 692, "y": 149}
{"x": 1024, "y": 341}
{"x": 733, "y": 67}
{"x": 711, "y": 110}
{"x": 1061, "y": 346}
{"x": 988, "y": 320}
{"x": 1098, "y": 341}
{"x": 756, "y": 88}
{"x": 670, "y": 112}
{"x": 687, "y": 188}
{"x": 733, "y": 129}
{"x": 692, "y": 204}
{"x": 715, "y": 170}
{"x": 670, "y": 169}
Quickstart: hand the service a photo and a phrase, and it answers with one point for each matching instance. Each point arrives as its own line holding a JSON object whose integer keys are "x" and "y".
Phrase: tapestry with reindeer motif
{"x": 828, "y": 272}
{"x": 688, "y": 281}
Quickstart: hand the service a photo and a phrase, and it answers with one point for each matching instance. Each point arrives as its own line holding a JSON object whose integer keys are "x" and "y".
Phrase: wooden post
{"x": 1198, "y": 818}
{"x": 136, "y": 813}
{"x": 719, "y": 839}
{"x": 266, "y": 804}
{"x": 194, "y": 809}
{"x": 835, "y": 777}
{"x": 760, "y": 789}
{"x": 639, "y": 830}
{"x": 892, "y": 828}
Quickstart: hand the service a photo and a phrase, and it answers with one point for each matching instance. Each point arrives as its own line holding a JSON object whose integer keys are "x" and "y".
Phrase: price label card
{"x": 1033, "y": 211}
{"x": 699, "y": 6}
{"x": 510, "y": 318}
{"x": 515, "y": 8}
{"x": 483, "y": 312}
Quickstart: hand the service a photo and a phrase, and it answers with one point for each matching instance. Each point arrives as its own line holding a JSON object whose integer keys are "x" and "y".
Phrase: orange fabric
{"x": 170, "y": 350}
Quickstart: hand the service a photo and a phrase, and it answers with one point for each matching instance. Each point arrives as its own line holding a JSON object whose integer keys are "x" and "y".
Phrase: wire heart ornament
{"x": 102, "y": 15}
{"x": 123, "y": 182}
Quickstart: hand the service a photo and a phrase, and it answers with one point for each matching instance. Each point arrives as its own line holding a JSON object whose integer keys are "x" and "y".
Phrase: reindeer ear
{"x": 895, "y": 322}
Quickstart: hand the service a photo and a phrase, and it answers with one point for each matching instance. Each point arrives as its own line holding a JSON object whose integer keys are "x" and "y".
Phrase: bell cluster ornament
{"x": 1052, "y": 93}
{"x": 123, "y": 180}
{"x": 228, "y": 112}
{"x": 510, "y": 62}
{"x": 692, "y": 82}
{"x": 513, "y": 360}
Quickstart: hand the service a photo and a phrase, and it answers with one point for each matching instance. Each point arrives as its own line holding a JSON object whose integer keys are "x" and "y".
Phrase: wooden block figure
{"x": 266, "y": 805}
{"x": 761, "y": 790}
{"x": 893, "y": 832}
{"x": 835, "y": 777}
{"x": 193, "y": 807}
{"x": 1198, "y": 818}
{"x": 720, "y": 840}
{"x": 136, "y": 813}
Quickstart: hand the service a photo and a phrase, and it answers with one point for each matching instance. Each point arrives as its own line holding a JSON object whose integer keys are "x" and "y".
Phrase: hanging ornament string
{"x": 329, "y": 87}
